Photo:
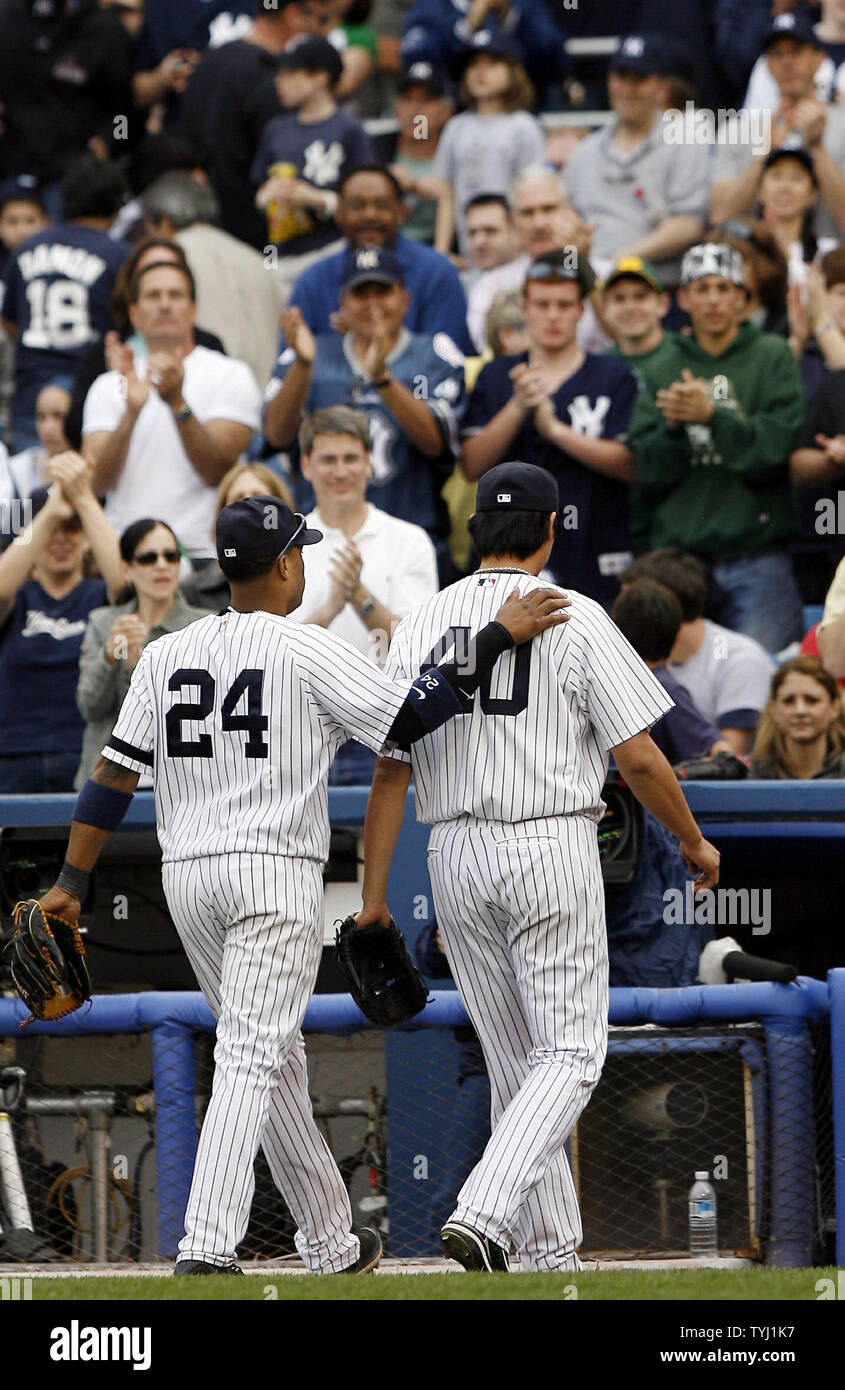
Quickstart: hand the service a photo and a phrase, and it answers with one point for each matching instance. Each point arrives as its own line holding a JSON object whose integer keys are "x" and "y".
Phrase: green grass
{"x": 740, "y": 1285}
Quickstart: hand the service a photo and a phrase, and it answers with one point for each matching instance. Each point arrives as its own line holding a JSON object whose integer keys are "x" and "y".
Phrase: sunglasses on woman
{"x": 149, "y": 557}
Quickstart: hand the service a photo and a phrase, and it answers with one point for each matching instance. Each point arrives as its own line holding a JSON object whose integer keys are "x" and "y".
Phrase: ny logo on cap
{"x": 367, "y": 258}
{"x": 633, "y": 47}
{"x": 503, "y": 497}
{"x": 784, "y": 21}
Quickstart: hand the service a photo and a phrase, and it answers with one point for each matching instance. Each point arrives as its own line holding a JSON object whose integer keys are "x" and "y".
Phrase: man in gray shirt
{"x": 792, "y": 53}
{"x": 645, "y": 196}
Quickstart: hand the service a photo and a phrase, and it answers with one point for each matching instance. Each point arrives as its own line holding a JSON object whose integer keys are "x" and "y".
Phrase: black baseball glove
{"x": 46, "y": 958}
{"x": 382, "y": 978}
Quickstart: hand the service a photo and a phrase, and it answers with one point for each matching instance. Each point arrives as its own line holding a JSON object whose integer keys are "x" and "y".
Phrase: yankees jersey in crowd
{"x": 597, "y": 401}
{"x": 405, "y": 483}
{"x": 58, "y": 284}
{"x": 537, "y": 740}
{"x": 320, "y": 152}
{"x": 239, "y": 715}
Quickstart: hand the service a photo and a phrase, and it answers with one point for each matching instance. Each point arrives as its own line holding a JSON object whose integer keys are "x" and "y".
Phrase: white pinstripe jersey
{"x": 537, "y": 740}
{"x": 239, "y": 717}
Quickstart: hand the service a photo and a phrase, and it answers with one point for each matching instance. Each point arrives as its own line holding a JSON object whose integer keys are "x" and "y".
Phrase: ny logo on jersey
{"x": 587, "y": 418}
{"x": 322, "y": 164}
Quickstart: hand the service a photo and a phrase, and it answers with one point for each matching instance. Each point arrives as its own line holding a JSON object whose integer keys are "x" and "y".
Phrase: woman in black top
{"x": 802, "y": 730}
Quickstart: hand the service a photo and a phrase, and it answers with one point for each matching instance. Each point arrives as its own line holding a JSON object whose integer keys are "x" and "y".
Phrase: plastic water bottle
{"x": 702, "y": 1217}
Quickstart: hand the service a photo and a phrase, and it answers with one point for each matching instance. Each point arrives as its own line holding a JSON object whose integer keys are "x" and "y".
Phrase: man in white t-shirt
{"x": 373, "y": 568}
{"x": 164, "y": 429}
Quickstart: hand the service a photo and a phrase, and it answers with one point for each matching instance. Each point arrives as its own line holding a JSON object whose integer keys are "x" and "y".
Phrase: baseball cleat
{"x": 471, "y": 1249}
{"x": 371, "y": 1252}
{"x": 200, "y": 1267}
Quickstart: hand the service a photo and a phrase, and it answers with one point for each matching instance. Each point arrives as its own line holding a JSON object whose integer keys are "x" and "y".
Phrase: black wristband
{"x": 73, "y": 880}
{"x": 481, "y": 656}
{"x": 384, "y": 381}
{"x": 463, "y": 676}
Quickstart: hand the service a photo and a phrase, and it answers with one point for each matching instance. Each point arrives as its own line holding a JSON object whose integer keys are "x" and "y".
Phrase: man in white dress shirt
{"x": 373, "y": 568}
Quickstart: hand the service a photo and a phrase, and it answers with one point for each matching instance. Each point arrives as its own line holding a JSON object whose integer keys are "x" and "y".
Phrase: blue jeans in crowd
{"x": 38, "y": 772}
{"x": 763, "y": 600}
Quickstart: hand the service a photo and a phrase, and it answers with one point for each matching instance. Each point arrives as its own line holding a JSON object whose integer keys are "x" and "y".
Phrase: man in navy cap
{"x": 792, "y": 51}
{"x": 567, "y": 411}
{"x": 628, "y": 179}
{"x": 370, "y": 213}
{"x": 409, "y": 385}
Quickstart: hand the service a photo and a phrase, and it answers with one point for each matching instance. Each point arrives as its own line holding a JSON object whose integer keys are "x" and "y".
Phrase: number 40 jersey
{"x": 58, "y": 284}
{"x": 537, "y": 740}
{"x": 239, "y": 717}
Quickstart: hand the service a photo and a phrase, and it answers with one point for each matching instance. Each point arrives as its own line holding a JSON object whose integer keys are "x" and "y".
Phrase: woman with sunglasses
{"x": 45, "y": 599}
{"x": 149, "y": 605}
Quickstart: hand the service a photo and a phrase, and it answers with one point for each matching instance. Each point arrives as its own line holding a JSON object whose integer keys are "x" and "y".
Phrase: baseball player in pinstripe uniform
{"x": 513, "y": 791}
{"x": 239, "y": 716}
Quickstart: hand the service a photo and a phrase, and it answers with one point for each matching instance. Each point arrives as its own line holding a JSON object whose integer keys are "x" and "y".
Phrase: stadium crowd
{"x": 355, "y": 253}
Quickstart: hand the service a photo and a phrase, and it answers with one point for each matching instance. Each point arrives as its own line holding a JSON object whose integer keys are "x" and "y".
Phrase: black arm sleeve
{"x": 464, "y": 677}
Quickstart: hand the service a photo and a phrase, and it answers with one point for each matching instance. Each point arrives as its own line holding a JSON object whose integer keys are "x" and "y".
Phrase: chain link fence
{"x": 97, "y": 1135}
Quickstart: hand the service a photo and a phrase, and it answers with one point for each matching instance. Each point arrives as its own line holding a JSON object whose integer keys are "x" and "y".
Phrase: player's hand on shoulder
{"x": 702, "y": 859}
{"x": 524, "y": 616}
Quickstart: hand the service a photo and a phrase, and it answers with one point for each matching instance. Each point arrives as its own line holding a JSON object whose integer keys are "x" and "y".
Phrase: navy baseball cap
{"x": 517, "y": 487}
{"x": 20, "y": 188}
{"x": 310, "y": 53}
{"x": 368, "y": 264}
{"x": 642, "y": 53}
{"x": 258, "y": 529}
{"x": 790, "y": 26}
{"x": 562, "y": 264}
{"x": 494, "y": 42}
{"x": 792, "y": 149}
{"x": 422, "y": 75}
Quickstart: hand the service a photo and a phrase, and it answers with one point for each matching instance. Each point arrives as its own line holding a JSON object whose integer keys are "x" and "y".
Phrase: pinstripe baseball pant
{"x": 520, "y": 909}
{"x": 252, "y": 929}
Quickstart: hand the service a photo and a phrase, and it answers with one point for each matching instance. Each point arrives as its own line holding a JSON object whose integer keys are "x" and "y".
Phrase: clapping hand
{"x": 126, "y": 641}
{"x": 374, "y": 359}
{"x": 834, "y": 448}
{"x": 686, "y": 401}
{"x": 70, "y": 470}
{"x": 345, "y": 570}
{"x": 136, "y": 389}
{"x": 298, "y": 335}
{"x": 167, "y": 375}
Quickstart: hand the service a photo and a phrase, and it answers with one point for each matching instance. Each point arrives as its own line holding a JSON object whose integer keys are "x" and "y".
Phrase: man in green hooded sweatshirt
{"x": 712, "y": 446}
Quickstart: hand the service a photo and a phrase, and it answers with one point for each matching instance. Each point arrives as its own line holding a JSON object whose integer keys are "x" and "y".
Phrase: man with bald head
{"x": 543, "y": 221}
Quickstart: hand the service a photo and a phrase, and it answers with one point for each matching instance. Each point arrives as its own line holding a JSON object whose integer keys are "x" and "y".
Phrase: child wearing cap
{"x": 303, "y": 154}
{"x": 484, "y": 147}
